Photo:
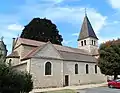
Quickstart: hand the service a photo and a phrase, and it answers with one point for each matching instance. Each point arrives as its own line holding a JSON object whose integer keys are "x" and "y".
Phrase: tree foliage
{"x": 109, "y": 58}
{"x": 42, "y": 30}
{"x": 13, "y": 81}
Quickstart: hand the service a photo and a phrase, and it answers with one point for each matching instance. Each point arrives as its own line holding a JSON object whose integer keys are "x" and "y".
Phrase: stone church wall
{"x": 22, "y": 67}
{"x": 23, "y": 50}
{"x": 38, "y": 72}
{"x": 14, "y": 61}
{"x": 82, "y": 77}
{"x": 88, "y": 47}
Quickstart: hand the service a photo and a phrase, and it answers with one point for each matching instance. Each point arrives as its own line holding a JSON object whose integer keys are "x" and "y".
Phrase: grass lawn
{"x": 62, "y": 91}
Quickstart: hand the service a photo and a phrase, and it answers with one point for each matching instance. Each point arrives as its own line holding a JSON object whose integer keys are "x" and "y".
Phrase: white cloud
{"x": 115, "y": 3}
{"x": 49, "y": 9}
{"x": 104, "y": 39}
{"x": 69, "y": 14}
{"x": 32, "y": 2}
{"x": 56, "y": 1}
{"x": 15, "y": 27}
{"x": 97, "y": 20}
{"x": 65, "y": 42}
{"x": 74, "y": 15}
{"x": 75, "y": 34}
{"x": 116, "y": 22}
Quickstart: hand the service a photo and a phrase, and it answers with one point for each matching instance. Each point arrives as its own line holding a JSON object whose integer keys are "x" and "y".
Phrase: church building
{"x": 54, "y": 65}
{"x": 3, "y": 51}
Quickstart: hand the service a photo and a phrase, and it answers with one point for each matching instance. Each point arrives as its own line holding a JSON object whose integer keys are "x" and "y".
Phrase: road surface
{"x": 99, "y": 90}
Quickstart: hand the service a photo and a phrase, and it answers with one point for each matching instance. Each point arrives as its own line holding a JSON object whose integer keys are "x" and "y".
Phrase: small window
{"x": 81, "y": 43}
{"x": 76, "y": 68}
{"x": 9, "y": 63}
{"x": 96, "y": 69}
{"x": 48, "y": 68}
{"x": 87, "y": 69}
{"x": 92, "y": 42}
{"x": 84, "y": 42}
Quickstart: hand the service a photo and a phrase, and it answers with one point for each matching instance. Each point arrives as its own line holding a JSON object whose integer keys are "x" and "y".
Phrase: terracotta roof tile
{"x": 30, "y": 42}
{"x": 66, "y": 52}
{"x": 32, "y": 52}
{"x": 77, "y": 56}
{"x": 58, "y": 47}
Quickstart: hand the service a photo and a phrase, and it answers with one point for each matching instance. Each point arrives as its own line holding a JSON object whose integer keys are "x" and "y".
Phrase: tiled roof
{"x": 68, "y": 56}
{"x": 58, "y": 47}
{"x": 86, "y": 30}
{"x": 70, "y": 49}
{"x": 65, "y": 51}
{"x": 30, "y": 42}
{"x": 77, "y": 57}
{"x": 32, "y": 52}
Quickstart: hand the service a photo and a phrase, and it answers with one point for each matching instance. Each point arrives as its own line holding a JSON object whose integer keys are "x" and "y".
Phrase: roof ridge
{"x": 73, "y": 52}
{"x": 69, "y": 47}
{"x": 49, "y": 42}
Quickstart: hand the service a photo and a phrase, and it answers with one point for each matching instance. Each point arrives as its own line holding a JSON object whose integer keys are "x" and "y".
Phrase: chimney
{"x": 13, "y": 44}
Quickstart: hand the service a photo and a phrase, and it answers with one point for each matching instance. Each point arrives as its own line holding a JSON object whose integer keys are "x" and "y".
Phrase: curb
{"x": 69, "y": 87}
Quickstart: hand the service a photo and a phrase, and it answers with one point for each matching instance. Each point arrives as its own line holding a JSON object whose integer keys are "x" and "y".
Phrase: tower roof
{"x": 86, "y": 30}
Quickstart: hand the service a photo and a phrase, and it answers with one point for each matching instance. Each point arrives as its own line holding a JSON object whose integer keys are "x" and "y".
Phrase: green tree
{"x": 13, "y": 81}
{"x": 42, "y": 30}
{"x": 109, "y": 58}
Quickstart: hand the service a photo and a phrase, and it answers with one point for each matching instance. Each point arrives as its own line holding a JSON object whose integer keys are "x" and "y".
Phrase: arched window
{"x": 92, "y": 42}
{"x": 81, "y": 43}
{"x": 84, "y": 42}
{"x": 76, "y": 68}
{"x": 96, "y": 69}
{"x": 48, "y": 68}
{"x": 87, "y": 71}
{"x": 10, "y": 62}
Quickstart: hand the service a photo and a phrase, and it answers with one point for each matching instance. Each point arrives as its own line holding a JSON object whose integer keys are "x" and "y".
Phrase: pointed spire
{"x": 86, "y": 30}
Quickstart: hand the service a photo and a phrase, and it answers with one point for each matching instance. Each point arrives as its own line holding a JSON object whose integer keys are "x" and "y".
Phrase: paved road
{"x": 99, "y": 90}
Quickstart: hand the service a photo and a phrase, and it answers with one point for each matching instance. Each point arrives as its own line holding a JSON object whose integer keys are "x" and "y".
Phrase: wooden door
{"x": 66, "y": 80}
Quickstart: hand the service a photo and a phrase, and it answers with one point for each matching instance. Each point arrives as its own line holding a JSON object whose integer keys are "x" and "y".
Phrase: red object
{"x": 114, "y": 83}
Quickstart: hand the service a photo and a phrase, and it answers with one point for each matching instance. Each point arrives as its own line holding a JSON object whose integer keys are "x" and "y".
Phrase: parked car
{"x": 114, "y": 83}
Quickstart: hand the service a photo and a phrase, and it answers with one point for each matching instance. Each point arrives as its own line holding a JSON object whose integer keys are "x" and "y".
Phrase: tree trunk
{"x": 115, "y": 76}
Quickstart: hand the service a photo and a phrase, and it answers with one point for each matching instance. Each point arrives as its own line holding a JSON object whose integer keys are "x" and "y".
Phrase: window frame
{"x": 10, "y": 62}
{"x": 85, "y": 42}
{"x": 76, "y": 69}
{"x": 51, "y": 74}
{"x": 87, "y": 68}
{"x": 96, "y": 69}
{"x": 81, "y": 43}
{"x": 92, "y": 42}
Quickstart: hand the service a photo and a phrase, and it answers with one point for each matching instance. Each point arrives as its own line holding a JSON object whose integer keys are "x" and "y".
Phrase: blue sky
{"x": 68, "y": 15}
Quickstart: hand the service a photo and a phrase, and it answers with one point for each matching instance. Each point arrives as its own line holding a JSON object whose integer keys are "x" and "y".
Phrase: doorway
{"x": 66, "y": 80}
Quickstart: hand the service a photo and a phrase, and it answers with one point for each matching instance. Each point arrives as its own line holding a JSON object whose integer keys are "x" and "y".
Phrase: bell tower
{"x": 87, "y": 39}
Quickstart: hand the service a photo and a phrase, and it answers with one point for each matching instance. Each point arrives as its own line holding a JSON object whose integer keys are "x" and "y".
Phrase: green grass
{"x": 62, "y": 91}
